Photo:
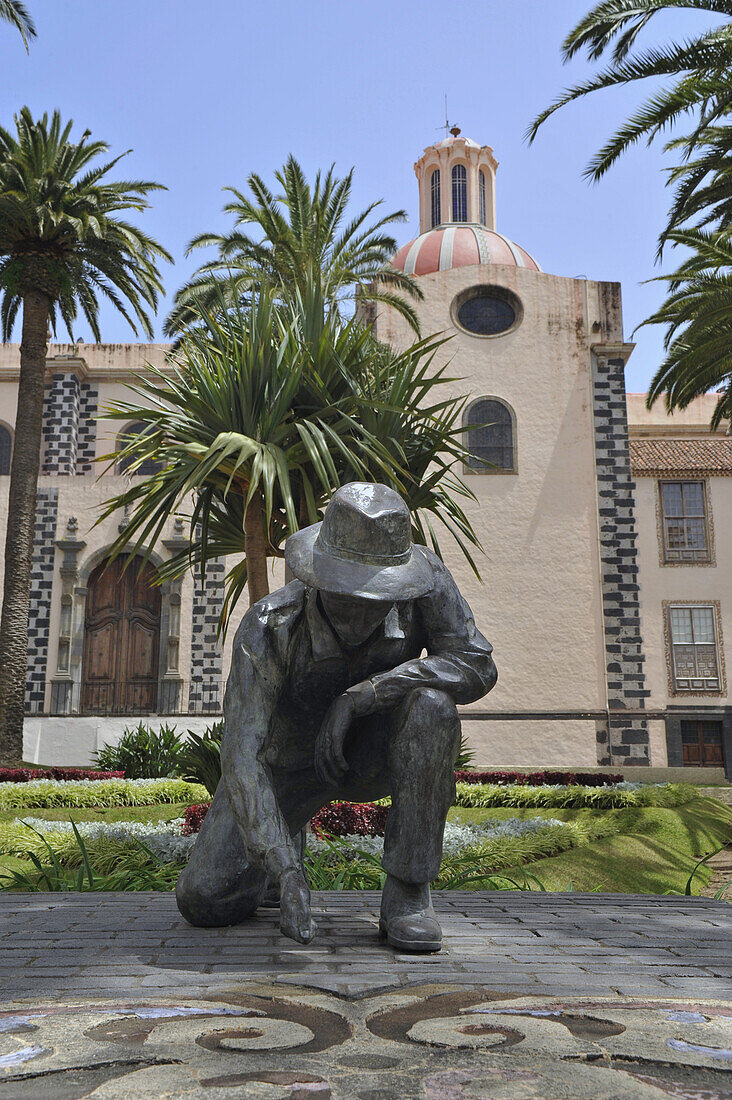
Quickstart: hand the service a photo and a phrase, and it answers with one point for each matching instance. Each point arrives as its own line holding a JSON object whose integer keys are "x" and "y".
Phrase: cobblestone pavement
{"x": 553, "y": 996}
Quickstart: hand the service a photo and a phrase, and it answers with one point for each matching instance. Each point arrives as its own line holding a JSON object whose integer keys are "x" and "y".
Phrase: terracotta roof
{"x": 657, "y": 457}
{"x": 460, "y": 244}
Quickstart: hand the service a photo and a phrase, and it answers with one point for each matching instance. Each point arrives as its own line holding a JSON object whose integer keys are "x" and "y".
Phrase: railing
{"x": 140, "y": 697}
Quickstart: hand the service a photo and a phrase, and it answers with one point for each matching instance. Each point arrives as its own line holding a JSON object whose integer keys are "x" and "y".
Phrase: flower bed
{"x": 495, "y": 844}
{"x": 535, "y": 779}
{"x": 574, "y": 796}
{"x": 24, "y": 775}
{"x": 37, "y": 793}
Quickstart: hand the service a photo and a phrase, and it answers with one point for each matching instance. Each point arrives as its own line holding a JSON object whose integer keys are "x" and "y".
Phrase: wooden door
{"x": 121, "y": 640}
{"x": 702, "y": 744}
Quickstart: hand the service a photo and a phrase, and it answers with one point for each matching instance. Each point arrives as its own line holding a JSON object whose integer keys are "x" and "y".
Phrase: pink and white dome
{"x": 460, "y": 245}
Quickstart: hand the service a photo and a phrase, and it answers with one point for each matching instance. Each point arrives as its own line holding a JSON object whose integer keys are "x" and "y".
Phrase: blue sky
{"x": 204, "y": 94}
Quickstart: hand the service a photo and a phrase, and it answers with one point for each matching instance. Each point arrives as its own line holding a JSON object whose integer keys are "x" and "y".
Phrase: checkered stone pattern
{"x": 204, "y": 696}
{"x": 87, "y": 437}
{"x": 39, "y": 619}
{"x": 626, "y": 741}
{"x": 61, "y": 409}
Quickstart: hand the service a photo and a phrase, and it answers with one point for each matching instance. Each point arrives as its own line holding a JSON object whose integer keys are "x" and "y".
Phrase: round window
{"x": 487, "y": 311}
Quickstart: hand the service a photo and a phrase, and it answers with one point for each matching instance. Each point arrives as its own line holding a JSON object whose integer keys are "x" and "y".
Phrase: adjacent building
{"x": 606, "y": 529}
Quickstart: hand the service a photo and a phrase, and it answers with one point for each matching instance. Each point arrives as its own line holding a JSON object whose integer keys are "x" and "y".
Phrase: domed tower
{"x": 539, "y": 359}
{"x": 457, "y": 211}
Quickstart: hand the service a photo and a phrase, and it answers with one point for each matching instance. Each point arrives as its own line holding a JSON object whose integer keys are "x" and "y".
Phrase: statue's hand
{"x": 330, "y": 763}
{"x": 295, "y": 919}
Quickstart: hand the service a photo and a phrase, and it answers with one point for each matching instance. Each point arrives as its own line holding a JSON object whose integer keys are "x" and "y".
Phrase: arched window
{"x": 459, "y": 193}
{"x": 435, "y": 195}
{"x": 490, "y": 436}
{"x": 149, "y": 466}
{"x": 481, "y": 197}
{"x": 6, "y": 449}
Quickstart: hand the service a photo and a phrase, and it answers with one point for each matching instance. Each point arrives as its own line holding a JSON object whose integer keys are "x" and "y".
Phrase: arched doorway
{"x": 121, "y": 639}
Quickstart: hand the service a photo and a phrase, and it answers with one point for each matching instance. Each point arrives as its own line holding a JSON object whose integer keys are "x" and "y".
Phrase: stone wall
{"x": 204, "y": 695}
{"x": 39, "y": 619}
{"x": 87, "y": 439}
{"x": 61, "y": 410}
{"x": 626, "y": 741}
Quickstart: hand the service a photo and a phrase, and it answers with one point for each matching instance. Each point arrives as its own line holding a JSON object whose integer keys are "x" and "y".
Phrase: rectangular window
{"x": 701, "y": 744}
{"x": 684, "y": 518}
{"x": 694, "y": 656}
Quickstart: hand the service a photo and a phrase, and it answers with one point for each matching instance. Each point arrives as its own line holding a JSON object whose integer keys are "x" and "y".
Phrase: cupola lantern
{"x": 456, "y": 183}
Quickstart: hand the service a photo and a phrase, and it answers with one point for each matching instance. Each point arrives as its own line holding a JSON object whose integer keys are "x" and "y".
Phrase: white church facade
{"x": 606, "y": 529}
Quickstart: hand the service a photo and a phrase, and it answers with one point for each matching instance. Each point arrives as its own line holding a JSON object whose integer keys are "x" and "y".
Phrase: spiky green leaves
{"x": 300, "y": 235}
{"x": 696, "y": 70}
{"x": 16, "y": 13}
{"x": 698, "y": 317}
{"x": 286, "y": 401}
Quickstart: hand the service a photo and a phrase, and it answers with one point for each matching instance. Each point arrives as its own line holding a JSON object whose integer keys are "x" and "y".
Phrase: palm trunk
{"x": 255, "y": 546}
{"x": 21, "y": 526}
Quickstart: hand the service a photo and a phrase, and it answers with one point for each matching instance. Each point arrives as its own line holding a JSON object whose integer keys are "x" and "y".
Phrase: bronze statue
{"x": 329, "y": 698}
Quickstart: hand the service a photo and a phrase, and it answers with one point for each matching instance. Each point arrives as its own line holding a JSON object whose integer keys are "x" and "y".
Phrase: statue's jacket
{"x": 288, "y": 666}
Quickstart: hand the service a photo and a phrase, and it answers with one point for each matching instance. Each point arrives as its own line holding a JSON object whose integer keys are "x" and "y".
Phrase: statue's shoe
{"x": 415, "y": 932}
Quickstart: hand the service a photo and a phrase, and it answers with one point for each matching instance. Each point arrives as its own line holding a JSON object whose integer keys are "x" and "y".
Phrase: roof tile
{"x": 657, "y": 457}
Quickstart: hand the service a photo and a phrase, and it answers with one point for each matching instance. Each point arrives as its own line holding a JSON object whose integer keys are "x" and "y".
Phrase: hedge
{"x": 24, "y": 775}
{"x": 535, "y": 779}
{"x": 601, "y": 798}
{"x": 48, "y": 793}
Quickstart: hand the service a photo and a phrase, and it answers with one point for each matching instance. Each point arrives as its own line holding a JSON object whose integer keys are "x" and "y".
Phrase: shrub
{"x": 585, "y": 779}
{"x": 193, "y": 819}
{"x": 465, "y": 756}
{"x": 495, "y": 794}
{"x": 350, "y": 819}
{"x": 337, "y": 819}
{"x": 144, "y": 753}
{"x": 200, "y": 757}
{"x": 23, "y": 775}
{"x": 106, "y": 792}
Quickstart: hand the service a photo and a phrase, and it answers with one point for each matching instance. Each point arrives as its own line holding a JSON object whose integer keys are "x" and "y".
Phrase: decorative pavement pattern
{"x": 543, "y": 996}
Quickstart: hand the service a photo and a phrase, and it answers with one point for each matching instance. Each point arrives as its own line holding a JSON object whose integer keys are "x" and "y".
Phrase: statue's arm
{"x": 458, "y": 661}
{"x": 252, "y": 691}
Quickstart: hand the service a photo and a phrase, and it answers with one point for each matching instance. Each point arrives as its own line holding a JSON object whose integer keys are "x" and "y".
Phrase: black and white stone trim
{"x": 626, "y": 741}
{"x": 61, "y": 424}
{"x": 87, "y": 437}
{"x": 39, "y": 620}
{"x": 204, "y": 696}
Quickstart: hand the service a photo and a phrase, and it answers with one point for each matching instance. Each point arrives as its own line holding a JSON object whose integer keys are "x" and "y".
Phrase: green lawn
{"x": 164, "y": 812}
{"x": 654, "y": 849}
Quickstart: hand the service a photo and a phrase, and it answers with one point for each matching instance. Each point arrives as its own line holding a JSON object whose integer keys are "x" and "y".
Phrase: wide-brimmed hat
{"x": 362, "y": 548}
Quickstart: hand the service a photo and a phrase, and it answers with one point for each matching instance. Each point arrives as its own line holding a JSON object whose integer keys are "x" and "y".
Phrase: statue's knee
{"x": 429, "y": 705}
{"x": 200, "y": 904}
{"x": 192, "y": 902}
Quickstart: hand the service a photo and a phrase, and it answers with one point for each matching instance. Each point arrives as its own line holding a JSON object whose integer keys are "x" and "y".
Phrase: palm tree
{"x": 698, "y": 85}
{"x": 16, "y": 13}
{"x": 703, "y": 182}
{"x": 698, "y": 316}
{"x": 63, "y": 245}
{"x": 698, "y": 71}
{"x": 268, "y": 409}
{"x": 299, "y": 235}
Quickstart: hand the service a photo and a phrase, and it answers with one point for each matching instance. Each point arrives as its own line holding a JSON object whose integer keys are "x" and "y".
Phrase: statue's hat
{"x": 362, "y": 548}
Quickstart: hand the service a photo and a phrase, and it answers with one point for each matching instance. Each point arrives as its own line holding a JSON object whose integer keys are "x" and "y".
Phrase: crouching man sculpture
{"x": 329, "y": 698}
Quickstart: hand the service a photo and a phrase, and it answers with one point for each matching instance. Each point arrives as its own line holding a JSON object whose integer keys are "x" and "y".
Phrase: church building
{"x": 606, "y": 528}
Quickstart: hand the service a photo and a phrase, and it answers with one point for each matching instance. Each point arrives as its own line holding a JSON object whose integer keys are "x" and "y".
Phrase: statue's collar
{"x": 324, "y": 642}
